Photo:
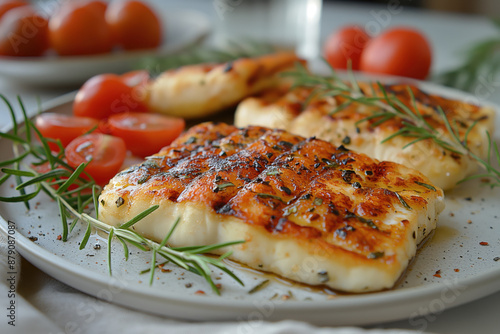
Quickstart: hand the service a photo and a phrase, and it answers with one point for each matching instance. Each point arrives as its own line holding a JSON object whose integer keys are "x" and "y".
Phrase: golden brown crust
{"x": 291, "y": 112}
{"x": 200, "y": 90}
{"x": 292, "y": 186}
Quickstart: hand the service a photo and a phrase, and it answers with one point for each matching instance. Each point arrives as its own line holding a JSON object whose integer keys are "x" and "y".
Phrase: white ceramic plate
{"x": 182, "y": 28}
{"x": 467, "y": 269}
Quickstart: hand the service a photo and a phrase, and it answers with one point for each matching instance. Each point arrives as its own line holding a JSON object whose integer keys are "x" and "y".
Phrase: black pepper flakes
{"x": 229, "y": 67}
{"x": 285, "y": 143}
{"x": 286, "y": 190}
{"x": 346, "y": 140}
{"x": 342, "y": 148}
{"x": 119, "y": 202}
{"x": 347, "y": 175}
{"x": 323, "y": 276}
{"x": 341, "y": 233}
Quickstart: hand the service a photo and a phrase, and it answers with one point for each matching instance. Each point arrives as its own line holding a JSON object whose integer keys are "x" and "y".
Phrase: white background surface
{"x": 448, "y": 34}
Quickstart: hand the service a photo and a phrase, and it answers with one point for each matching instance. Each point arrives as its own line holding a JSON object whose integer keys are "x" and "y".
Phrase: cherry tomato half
{"x": 105, "y": 153}
{"x": 398, "y": 51}
{"x": 80, "y": 28}
{"x": 134, "y": 25}
{"x": 7, "y": 5}
{"x": 347, "y": 43}
{"x": 107, "y": 94}
{"x": 145, "y": 133}
{"x": 23, "y": 33}
{"x": 63, "y": 127}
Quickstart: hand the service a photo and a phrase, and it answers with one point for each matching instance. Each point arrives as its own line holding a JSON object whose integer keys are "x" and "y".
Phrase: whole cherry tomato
{"x": 7, "y": 5}
{"x": 23, "y": 33}
{"x": 134, "y": 25}
{"x": 107, "y": 94}
{"x": 347, "y": 43}
{"x": 80, "y": 28}
{"x": 398, "y": 51}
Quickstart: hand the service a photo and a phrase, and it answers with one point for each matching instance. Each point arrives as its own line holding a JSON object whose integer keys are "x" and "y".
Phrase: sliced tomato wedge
{"x": 145, "y": 133}
{"x": 105, "y": 153}
{"x": 63, "y": 127}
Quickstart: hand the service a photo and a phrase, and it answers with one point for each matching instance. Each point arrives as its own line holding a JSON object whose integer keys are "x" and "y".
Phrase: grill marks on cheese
{"x": 288, "y": 188}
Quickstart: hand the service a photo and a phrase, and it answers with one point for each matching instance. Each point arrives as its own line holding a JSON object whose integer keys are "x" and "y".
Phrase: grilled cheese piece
{"x": 286, "y": 110}
{"x": 308, "y": 211}
{"x": 201, "y": 90}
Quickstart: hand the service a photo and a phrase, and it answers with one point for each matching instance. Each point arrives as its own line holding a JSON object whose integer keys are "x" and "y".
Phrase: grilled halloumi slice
{"x": 308, "y": 211}
{"x": 286, "y": 109}
{"x": 200, "y": 90}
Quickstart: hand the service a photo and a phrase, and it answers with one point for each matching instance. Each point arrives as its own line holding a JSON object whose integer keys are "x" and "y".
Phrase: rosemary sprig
{"x": 58, "y": 182}
{"x": 202, "y": 54}
{"x": 387, "y": 106}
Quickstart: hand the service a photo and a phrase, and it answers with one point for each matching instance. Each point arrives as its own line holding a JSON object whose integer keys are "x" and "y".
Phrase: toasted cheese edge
{"x": 297, "y": 259}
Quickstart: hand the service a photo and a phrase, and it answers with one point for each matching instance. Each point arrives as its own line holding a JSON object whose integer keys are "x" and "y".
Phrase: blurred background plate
{"x": 182, "y": 29}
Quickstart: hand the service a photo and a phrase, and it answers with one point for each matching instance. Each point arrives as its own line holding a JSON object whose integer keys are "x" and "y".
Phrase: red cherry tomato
{"x": 144, "y": 133}
{"x": 80, "y": 28}
{"x": 398, "y": 51}
{"x": 63, "y": 127}
{"x": 107, "y": 94}
{"x": 134, "y": 25}
{"x": 23, "y": 33}
{"x": 7, "y": 5}
{"x": 105, "y": 153}
{"x": 347, "y": 43}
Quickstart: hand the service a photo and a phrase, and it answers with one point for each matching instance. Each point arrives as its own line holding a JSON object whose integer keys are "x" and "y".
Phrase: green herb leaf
{"x": 110, "y": 239}
{"x": 428, "y": 186}
{"x": 262, "y": 195}
{"x": 258, "y": 287}
{"x": 86, "y": 237}
{"x": 403, "y": 202}
{"x": 139, "y": 217}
